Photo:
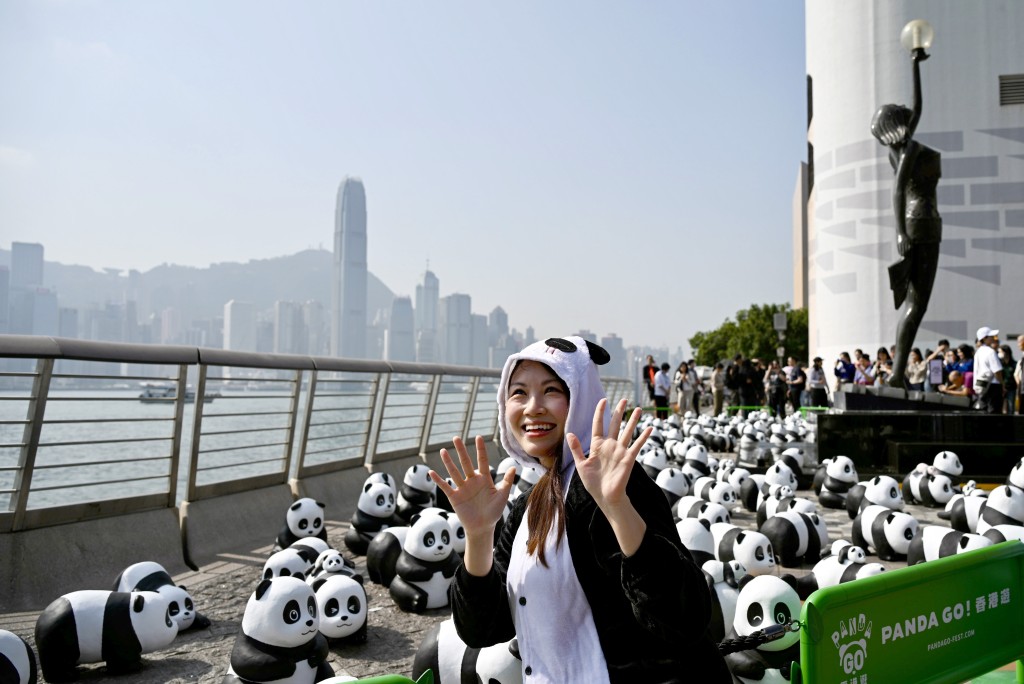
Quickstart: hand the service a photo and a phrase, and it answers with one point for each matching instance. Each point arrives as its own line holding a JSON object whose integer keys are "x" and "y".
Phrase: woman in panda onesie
{"x": 596, "y": 585}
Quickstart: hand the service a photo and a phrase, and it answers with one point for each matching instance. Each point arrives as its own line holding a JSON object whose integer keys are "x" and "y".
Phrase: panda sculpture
{"x": 749, "y": 491}
{"x": 1000, "y": 533}
{"x": 780, "y": 500}
{"x": 935, "y": 541}
{"x": 17, "y": 661}
{"x": 287, "y": 563}
{"x": 426, "y": 567}
{"x": 279, "y": 640}
{"x": 310, "y": 548}
{"x": 819, "y": 475}
{"x": 751, "y": 549}
{"x": 710, "y": 489}
{"x": 885, "y": 531}
{"x": 845, "y": 563}
{"x": 94, "y": 626}
{"x": 416, "y": 492}
{"x": 674, "y": 483}
{"x": 880, "y": 490}
{"x": 926, "y": 485}
{"x": 948, "y": 463}
{"x": 304, "y": 518}
{"x": 964, "y": 512}
{"x": 765, "y": 601}
{"x": 1005, "y": 507}
{"x": 797, "y": 538}
{"x": 696, "y": 537}
{"x": 695, "y": 463}
{"x": 150, "y": 576}
{"x": 840, "y": 476}
{"x": 383, "y": 552}
{"x": 696, "y": 507}
{"x": 444, "y": 654}
{"x": 375, "y": 511}
{"x": 798, "y": 461}
{"x": 1016, "y": 476}
{"x": 723, "y": 583}
{"x": 331, "y": 562}
{"x": 529, "y": 476}
{"x": 342, "y": 605}
{"x": 653, "y": 462}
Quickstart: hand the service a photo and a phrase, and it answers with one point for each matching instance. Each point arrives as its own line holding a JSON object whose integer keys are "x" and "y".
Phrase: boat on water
{"x": 162, "y": 393}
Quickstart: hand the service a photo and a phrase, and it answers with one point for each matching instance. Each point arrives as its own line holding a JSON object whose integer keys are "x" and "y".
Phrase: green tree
{"x": 753, "y": 335}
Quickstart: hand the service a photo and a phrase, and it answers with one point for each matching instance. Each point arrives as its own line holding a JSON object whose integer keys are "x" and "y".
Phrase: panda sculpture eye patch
{"x": 173, "y": 608}
{"x": 331, "y": 609}
{"x": 754, "y": 615}
{"x": 311, "y": 606}
{"x": 291, "y": 612}
{"x": 353, "y": 604}
{"x": 781, "y": 613}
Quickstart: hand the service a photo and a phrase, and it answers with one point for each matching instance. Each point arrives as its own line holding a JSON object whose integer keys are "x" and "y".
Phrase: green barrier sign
{"x": 942, "y": 621}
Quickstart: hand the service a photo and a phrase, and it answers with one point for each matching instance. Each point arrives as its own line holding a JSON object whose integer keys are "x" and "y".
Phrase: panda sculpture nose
{"x": 309, "y": 623}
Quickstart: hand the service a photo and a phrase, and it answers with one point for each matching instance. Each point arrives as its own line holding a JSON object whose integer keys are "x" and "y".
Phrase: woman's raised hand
{"x": 474, "y": 496}
{"x": 606, "y": 471}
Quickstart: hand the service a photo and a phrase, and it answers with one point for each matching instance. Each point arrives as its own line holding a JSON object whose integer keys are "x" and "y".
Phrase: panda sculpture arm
{"x": 668, "y": 591}
{"x": 480, "y": 604}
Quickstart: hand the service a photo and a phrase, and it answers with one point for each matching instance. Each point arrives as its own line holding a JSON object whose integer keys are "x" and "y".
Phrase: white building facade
{"x": 970, "y": 115}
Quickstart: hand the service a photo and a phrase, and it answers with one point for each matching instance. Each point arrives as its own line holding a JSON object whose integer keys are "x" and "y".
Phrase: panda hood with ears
{"x": 575, "y": 361}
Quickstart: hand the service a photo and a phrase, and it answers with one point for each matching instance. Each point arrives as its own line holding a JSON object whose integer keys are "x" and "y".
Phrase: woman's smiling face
{"x": 536, "y": 408}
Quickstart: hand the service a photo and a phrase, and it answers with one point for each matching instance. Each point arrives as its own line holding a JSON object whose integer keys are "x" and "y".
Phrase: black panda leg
{"x": 409, "y": 598}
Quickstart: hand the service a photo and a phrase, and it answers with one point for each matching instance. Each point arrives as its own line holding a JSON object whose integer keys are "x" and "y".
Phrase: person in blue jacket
{"x": 588, "y": 574}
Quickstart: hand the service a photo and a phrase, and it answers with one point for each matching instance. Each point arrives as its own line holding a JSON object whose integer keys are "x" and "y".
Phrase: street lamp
{"x": 917, "y": 35}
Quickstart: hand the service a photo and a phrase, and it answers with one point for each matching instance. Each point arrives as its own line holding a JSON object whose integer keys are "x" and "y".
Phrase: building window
{"x": 1011, "y": 89}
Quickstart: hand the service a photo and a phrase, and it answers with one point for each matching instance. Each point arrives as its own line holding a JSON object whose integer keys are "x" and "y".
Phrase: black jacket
{"x": 651, "y": 610}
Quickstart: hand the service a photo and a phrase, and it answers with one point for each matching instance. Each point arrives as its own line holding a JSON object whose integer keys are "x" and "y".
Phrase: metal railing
{"x": 77, "y": 441}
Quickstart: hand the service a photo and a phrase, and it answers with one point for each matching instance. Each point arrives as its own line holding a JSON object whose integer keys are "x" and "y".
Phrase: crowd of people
{"x": 987, "y": 372}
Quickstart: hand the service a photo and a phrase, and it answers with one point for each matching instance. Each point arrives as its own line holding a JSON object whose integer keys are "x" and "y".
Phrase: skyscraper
{"x": 348, "y": 296}
{"x": 239, "y": 326}
{"x": 427, "y": 297}
{"x": 401, "y": 345}
{"x": 456, "y": 328}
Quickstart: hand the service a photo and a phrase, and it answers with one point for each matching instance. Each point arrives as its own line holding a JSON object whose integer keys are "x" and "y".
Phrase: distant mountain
{"x": 201, "y": 293}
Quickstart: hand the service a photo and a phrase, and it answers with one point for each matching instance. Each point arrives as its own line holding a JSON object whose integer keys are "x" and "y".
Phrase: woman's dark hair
{"x": 1007, "y": 355}
{"x": 545, "y": 506}
{"x": 882, "y": 351}
{"x": 917, "y": 351}
{"x": 967, "y": 350}
{"x": 891, "y": 123}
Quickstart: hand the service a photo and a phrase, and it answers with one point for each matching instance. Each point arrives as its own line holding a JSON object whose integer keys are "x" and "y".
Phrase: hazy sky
{"x": 622, "y": 167}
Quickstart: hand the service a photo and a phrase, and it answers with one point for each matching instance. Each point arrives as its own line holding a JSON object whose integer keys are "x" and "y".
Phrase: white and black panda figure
{"x": 780, "y": 498}
{"x": 935, "y": 541}
{"x": 304, "y": 518}
{"x": 886, "y": 532}
{"x": 927, "y": 486}
{"x": 765, "y": 601}
{"x": 375, "y": 511}
{"x": 819, "y": 475}
{"x": 696, "y": 507}
{"x": 840, "y": 476}
{"x": 695, "y": 464}
{"x": 151, "y": 576}
{"x": 529, "y": 476}
{"x": 310, "y": 548}
{"x": 280, "y": 639}
{"x": 1005, "y": 507}
{"x": 342, "y": 606}
{"x": 749, "y": 491}
{"x": 845, "y": 563}
{"x": 797, "y": 538}
{"x": 1000, "y": 533}
{"x": 723, "y": 582}
{"x": 653, "y": 462}
{"x": 964, "y": 512}
{"x": 287, "y": 563}
{"x": 948, "y": 463}
{"x": 450, "y": 661}
{"x": 773, "y": 490}
{"x": 331, "y": 562}
{"x": 880, "y": 490}
{"x": 383, "y": 553}
{"x": 751, "y": 549}
{"x": 1016, "y": 476}
{"x": 17, "y": 660}
{"x": 92, "y": 626}
{"x": 696, "y": 537}
{"x": 798, "y": 461}
{"x": 426, "y": 567}
{"x": 710, "y": 489}
{"x": 416, "y": 492}
{"x": 383, "y": 478}
{"x": 674, "y": 483}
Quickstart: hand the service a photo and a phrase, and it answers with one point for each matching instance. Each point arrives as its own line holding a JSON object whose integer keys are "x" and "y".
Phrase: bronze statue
{"x": 918, "y": 224}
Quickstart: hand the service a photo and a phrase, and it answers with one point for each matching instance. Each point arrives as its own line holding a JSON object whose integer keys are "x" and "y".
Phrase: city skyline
{"x": 584, "y": 165}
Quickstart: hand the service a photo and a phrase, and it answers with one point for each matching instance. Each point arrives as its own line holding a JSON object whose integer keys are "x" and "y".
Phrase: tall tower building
{"x": 289, "y": 328}
{"x": 456, "y": 328}
{"x": 239, "y": 326}
{"x": 427, "y": 318}
{"x": 348, "y": 296}
{"x": 401, "y": 341}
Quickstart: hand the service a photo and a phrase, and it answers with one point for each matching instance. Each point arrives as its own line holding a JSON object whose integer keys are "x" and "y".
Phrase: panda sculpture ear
{"x": 367, "y": 487}
{"x": 744, "y": 581}
{"x": 262, "y": 588}
{"x": 294, "y": 506}
{"x": 889, "y": 518}
{"x": 878, "y": 478}
{"x": 319, "y": 583}
{"x": 790, "y": 580}
{"x": 705, "y": 522}
{"x": 413, "y": 519}
{"x": 321, "y": 505}
{"x": 740, "y": 537}
{"x": 139, "y": 603}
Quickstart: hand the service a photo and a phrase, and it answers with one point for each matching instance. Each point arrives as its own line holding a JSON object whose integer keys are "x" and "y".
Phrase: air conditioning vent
{"x": 1011, "y": 89}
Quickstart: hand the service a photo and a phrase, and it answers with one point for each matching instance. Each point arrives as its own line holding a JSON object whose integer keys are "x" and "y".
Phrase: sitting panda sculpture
{"x": 928, "y": 486}
{"x": 375, "y": 511}
{"x": 17, "y": 661}
{"x": 751, "y": 549}
{"x": 885, "y": 531}
{"x": 844, "y": 563}
{"x": 342, "y": 604}
{"x": 416, "y": 492}
{"x": 797, "y": 538}
{"x": 880, "y": 490}
{"x": 444, "y": 654}
{"x": 935, "y": 541}
{"x": 288, "y": 562}
{"x": 92, "y": 626}
{"x": 765, "y": 601}
{"x": 840, "y": 476}
{"x": 151, "y": 576}
{"x": 279, "y": 640}
{"x": 332, "y": 562}
{"x": 426, "y": 567}
{"x": 304, "y": 518}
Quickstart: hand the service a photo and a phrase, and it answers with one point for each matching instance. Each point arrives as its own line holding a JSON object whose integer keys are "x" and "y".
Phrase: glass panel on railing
{"x": 453, "y": 400}
{"x": 340, "y": 417}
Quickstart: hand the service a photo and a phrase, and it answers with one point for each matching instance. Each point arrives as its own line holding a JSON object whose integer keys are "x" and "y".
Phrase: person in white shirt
{"x": 988, "y": 372}
{"x": 662, "y": 388}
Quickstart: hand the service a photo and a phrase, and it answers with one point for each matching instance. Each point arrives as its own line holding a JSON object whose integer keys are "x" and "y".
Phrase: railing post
{"x": 197, "y": 426}
{"x": 307, "y": 419}
{"x": 428, "y": 419}
{"x": 179, "y": 420}
{"x": 30, "y": 440}
{"x": 380, "y": 399}
{"x": 474, "y": 386}
{"x": 293, "y": 413}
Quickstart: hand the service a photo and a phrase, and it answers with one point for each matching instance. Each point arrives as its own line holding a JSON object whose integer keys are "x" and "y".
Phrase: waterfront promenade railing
{"x": 78, "y": 443}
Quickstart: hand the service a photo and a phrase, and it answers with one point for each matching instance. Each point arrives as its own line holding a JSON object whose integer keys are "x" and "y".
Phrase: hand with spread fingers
{"x": 606, "y": 471}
